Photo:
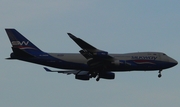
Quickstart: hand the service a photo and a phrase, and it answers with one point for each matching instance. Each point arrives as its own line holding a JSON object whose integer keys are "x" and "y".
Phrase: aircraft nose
{"x": 173, "y": 61}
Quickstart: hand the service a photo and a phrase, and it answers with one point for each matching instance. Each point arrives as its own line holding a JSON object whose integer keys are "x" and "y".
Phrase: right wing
{"x": 89, "y": 51}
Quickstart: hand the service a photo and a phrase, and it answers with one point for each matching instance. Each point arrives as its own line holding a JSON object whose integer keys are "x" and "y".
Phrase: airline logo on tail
{"x": 20, "y": 43}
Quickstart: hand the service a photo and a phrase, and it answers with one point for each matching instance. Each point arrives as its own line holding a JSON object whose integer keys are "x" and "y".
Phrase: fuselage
{"x": 145, "y": 61}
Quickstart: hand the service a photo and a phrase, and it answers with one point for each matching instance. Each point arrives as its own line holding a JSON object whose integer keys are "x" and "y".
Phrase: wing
{"x": 89, "y": 51}
{"x": 99, "y": 61}
{"x": 64, "y": 72}
{"x": 81, "y": 75}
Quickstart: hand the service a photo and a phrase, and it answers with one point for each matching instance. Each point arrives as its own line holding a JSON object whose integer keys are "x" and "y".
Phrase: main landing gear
{"x": 160, "y": 75}
{"x": 97, "y": 79}
{"x": 94, "y": 75}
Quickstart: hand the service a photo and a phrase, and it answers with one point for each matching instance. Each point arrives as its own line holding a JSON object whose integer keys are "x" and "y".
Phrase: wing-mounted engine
{"x": 107, "y": 75}
{"x": 82, "y": 75}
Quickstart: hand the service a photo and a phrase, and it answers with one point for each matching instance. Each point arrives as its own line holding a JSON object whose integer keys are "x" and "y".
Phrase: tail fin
{"x": 22, "y": 46}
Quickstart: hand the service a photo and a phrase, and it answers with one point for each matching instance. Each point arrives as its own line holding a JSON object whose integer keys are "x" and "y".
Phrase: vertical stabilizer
{"x": 21, "y": 45}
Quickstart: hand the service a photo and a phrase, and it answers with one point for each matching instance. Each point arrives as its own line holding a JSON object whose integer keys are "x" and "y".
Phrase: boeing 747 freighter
{"x": 90, "y": 62}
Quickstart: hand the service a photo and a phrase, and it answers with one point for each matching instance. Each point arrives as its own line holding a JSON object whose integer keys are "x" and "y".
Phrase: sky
{"x": 118, "y": 26}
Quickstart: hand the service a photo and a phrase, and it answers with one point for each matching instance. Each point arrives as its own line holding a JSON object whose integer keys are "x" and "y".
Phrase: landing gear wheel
{"x": 97, "y": 79}
{"x": 159, "y": 75}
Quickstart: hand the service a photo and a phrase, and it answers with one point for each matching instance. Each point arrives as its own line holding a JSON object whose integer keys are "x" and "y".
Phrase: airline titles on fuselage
{"x": 144, "y": 57}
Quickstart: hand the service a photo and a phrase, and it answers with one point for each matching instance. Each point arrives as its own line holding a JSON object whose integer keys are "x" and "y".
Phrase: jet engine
{"x": 82, "y": 77}
{"x": 107, "y": 75}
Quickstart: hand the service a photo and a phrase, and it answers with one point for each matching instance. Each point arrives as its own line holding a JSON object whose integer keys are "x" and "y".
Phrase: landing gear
{"x": 97, "y": 79}
{"x": 93, "y": 74}
{"x": 160, "y": 75}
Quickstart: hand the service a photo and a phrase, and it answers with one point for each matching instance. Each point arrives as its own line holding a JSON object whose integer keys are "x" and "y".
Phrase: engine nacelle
{"x": 107, "y": 75}
{"x": 82, "y": 77}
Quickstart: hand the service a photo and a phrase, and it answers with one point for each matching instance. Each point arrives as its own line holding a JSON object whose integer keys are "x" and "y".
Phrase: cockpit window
{"x": 164, "y": 54}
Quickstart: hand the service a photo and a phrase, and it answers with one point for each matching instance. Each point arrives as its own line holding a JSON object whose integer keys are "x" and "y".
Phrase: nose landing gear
{"x": 160, "y": 75}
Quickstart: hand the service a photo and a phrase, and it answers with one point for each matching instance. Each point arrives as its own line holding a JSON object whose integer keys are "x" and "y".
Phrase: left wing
{"x": 81, "y": 75}
{"x": 64, "y": 72}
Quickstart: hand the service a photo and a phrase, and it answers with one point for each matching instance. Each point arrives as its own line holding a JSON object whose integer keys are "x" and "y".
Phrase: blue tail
{"x": 21, "y": 46}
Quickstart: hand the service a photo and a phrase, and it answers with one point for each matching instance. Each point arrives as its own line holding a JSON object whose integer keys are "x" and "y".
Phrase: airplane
{"x": 90, "y": 62}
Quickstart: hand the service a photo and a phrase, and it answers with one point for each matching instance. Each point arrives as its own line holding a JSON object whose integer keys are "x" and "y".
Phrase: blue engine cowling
{"x": 107, "y": 75}
{"x": 82, "y": 77}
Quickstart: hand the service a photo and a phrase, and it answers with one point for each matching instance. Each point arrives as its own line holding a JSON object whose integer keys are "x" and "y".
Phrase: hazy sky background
{"x": 118, "y": 26}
